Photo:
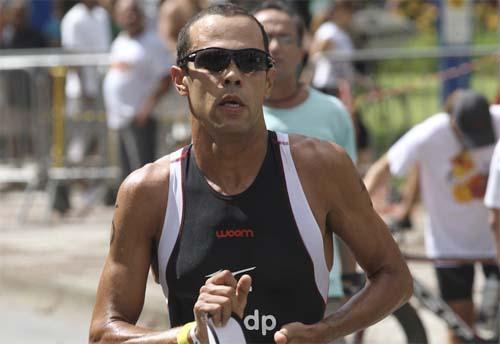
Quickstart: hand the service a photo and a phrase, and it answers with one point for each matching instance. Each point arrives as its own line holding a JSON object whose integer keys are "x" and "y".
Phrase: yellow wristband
{"x": 183, "y": 335}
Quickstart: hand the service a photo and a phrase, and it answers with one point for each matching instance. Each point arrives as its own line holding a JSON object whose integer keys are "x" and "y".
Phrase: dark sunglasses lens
{"x": 214, "y": 60}
{"x": 251, "y": 60}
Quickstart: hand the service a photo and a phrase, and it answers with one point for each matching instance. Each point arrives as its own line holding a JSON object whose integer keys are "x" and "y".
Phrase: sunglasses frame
{"x": 191, "y": 57}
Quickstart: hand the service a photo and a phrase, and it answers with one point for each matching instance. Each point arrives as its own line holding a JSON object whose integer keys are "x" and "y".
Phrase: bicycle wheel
{"x": 403, "y": 326}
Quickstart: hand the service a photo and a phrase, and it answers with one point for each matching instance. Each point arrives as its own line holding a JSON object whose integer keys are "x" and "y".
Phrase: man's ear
{"x": 179, "y": 80}
{"x": 270, "y": 75}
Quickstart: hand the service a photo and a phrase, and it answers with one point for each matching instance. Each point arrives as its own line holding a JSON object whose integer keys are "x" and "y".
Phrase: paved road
{"x": 38, "y": 321}
{"x": 49, "y": 274}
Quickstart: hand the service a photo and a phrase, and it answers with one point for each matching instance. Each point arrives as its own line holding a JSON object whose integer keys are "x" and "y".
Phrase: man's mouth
{"x": 231, "y": 102}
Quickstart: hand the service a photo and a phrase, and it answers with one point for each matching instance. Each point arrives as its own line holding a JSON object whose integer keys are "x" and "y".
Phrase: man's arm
{"x": 150, "y": 102}
{"x": 389, "y": 283}
{"x": 137, "y": 219}
{"x": 351, "y": 216}
{"x": 494, "y": 218}
{"x": 377, "y": 175}
{"x": 136, "y": 227}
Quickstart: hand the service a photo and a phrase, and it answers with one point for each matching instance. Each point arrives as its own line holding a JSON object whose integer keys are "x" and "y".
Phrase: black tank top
{"x": 254, "y": 232}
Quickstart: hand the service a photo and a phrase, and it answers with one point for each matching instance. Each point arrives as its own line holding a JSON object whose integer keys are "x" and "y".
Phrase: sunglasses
{"x": 218, "y": 59}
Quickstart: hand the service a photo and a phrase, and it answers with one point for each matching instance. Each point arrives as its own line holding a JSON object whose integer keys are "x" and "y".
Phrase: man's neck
{"x": 284, "y": 96}
{"x": 230, "y": 163}
{"x": 136, "y": 31}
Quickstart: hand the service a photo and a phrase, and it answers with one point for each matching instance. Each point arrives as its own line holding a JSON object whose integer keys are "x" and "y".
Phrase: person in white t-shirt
{"x": 492, "y": 197}
{"x": 138, "y": 76}
{"x": 452, "y": 152}
{"x": 85, "y": 28}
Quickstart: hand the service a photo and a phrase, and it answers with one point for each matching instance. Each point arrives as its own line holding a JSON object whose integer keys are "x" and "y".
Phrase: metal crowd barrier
{"x": 45, "y": 143}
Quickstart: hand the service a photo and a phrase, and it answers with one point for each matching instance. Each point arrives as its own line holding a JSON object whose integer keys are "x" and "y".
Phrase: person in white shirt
{"x": 332, "y": 36}
{"x": 452, "y": 151}
{"x": 492, "y": 197}
{"x": 138, "y": 76}
{"x": 85, "y": 28}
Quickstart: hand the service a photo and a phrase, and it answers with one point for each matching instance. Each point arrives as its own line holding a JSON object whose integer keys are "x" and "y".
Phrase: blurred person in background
{"x": 52, "y": 28}
{"x": 138, "y": 76}
{"x": 332, "y": 36}
{"x": 3, "y": 19}
{"x": 18, "y": 32}
{"x": 85, "y": 28}
{"x": 172, "y": 15}
{"x": 452, "y": 151}
{"x": 17, "y": 121}
{"x": 293, "y": 107}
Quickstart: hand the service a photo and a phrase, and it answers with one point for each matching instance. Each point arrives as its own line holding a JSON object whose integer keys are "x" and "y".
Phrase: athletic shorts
{"x": 455, "y": 283}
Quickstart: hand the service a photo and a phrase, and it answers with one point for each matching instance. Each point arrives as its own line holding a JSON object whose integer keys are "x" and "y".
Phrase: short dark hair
{"x": 225, "y": 10}
{"x": 283, "y": 7}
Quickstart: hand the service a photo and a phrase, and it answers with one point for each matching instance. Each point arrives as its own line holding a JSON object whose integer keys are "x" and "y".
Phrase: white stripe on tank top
{"x": 173, "y": 218}
{"x": 306, "y": 223}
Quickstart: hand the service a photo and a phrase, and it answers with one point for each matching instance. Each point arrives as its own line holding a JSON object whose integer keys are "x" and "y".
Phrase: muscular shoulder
{"x": 323, "y": 159}
{"x": 144, "y": 192}
{"x": 149, "y": 178}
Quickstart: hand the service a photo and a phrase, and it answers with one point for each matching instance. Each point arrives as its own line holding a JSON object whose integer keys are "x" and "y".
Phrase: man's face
{"x": 90, "y": 3}
{"x": 129, "y": 16}
{"x": 283, "y": 42}
{"x": 229, "y": 101}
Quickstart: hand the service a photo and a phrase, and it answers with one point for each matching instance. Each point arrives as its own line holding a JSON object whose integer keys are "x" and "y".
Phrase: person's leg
{"x": 455, "y": 284}
{"x": 490, "y": 298}
{"x": 125, "y": 138}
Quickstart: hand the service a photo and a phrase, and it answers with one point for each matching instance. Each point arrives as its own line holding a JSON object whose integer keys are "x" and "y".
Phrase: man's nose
{"x": 274, "y": 46}
{"x": 232, "y": 75}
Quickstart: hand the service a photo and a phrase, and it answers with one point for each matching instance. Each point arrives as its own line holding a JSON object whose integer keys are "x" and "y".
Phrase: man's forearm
{"x": 121, "y": 332}
{"x": 377, "y": 175}
{"x": 385, "y": 291}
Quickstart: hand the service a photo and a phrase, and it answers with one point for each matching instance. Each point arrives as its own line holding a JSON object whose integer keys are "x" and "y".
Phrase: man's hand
{"x": 141, "y": 117}
{"x": 298, "y": 333}
{"x": 221, "y": 295}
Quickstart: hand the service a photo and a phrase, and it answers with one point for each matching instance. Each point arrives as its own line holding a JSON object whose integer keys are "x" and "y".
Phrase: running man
{"x": 241, "y": 198}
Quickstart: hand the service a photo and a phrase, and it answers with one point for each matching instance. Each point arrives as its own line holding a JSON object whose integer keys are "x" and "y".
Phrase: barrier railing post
{"x": 58, "y": 102}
